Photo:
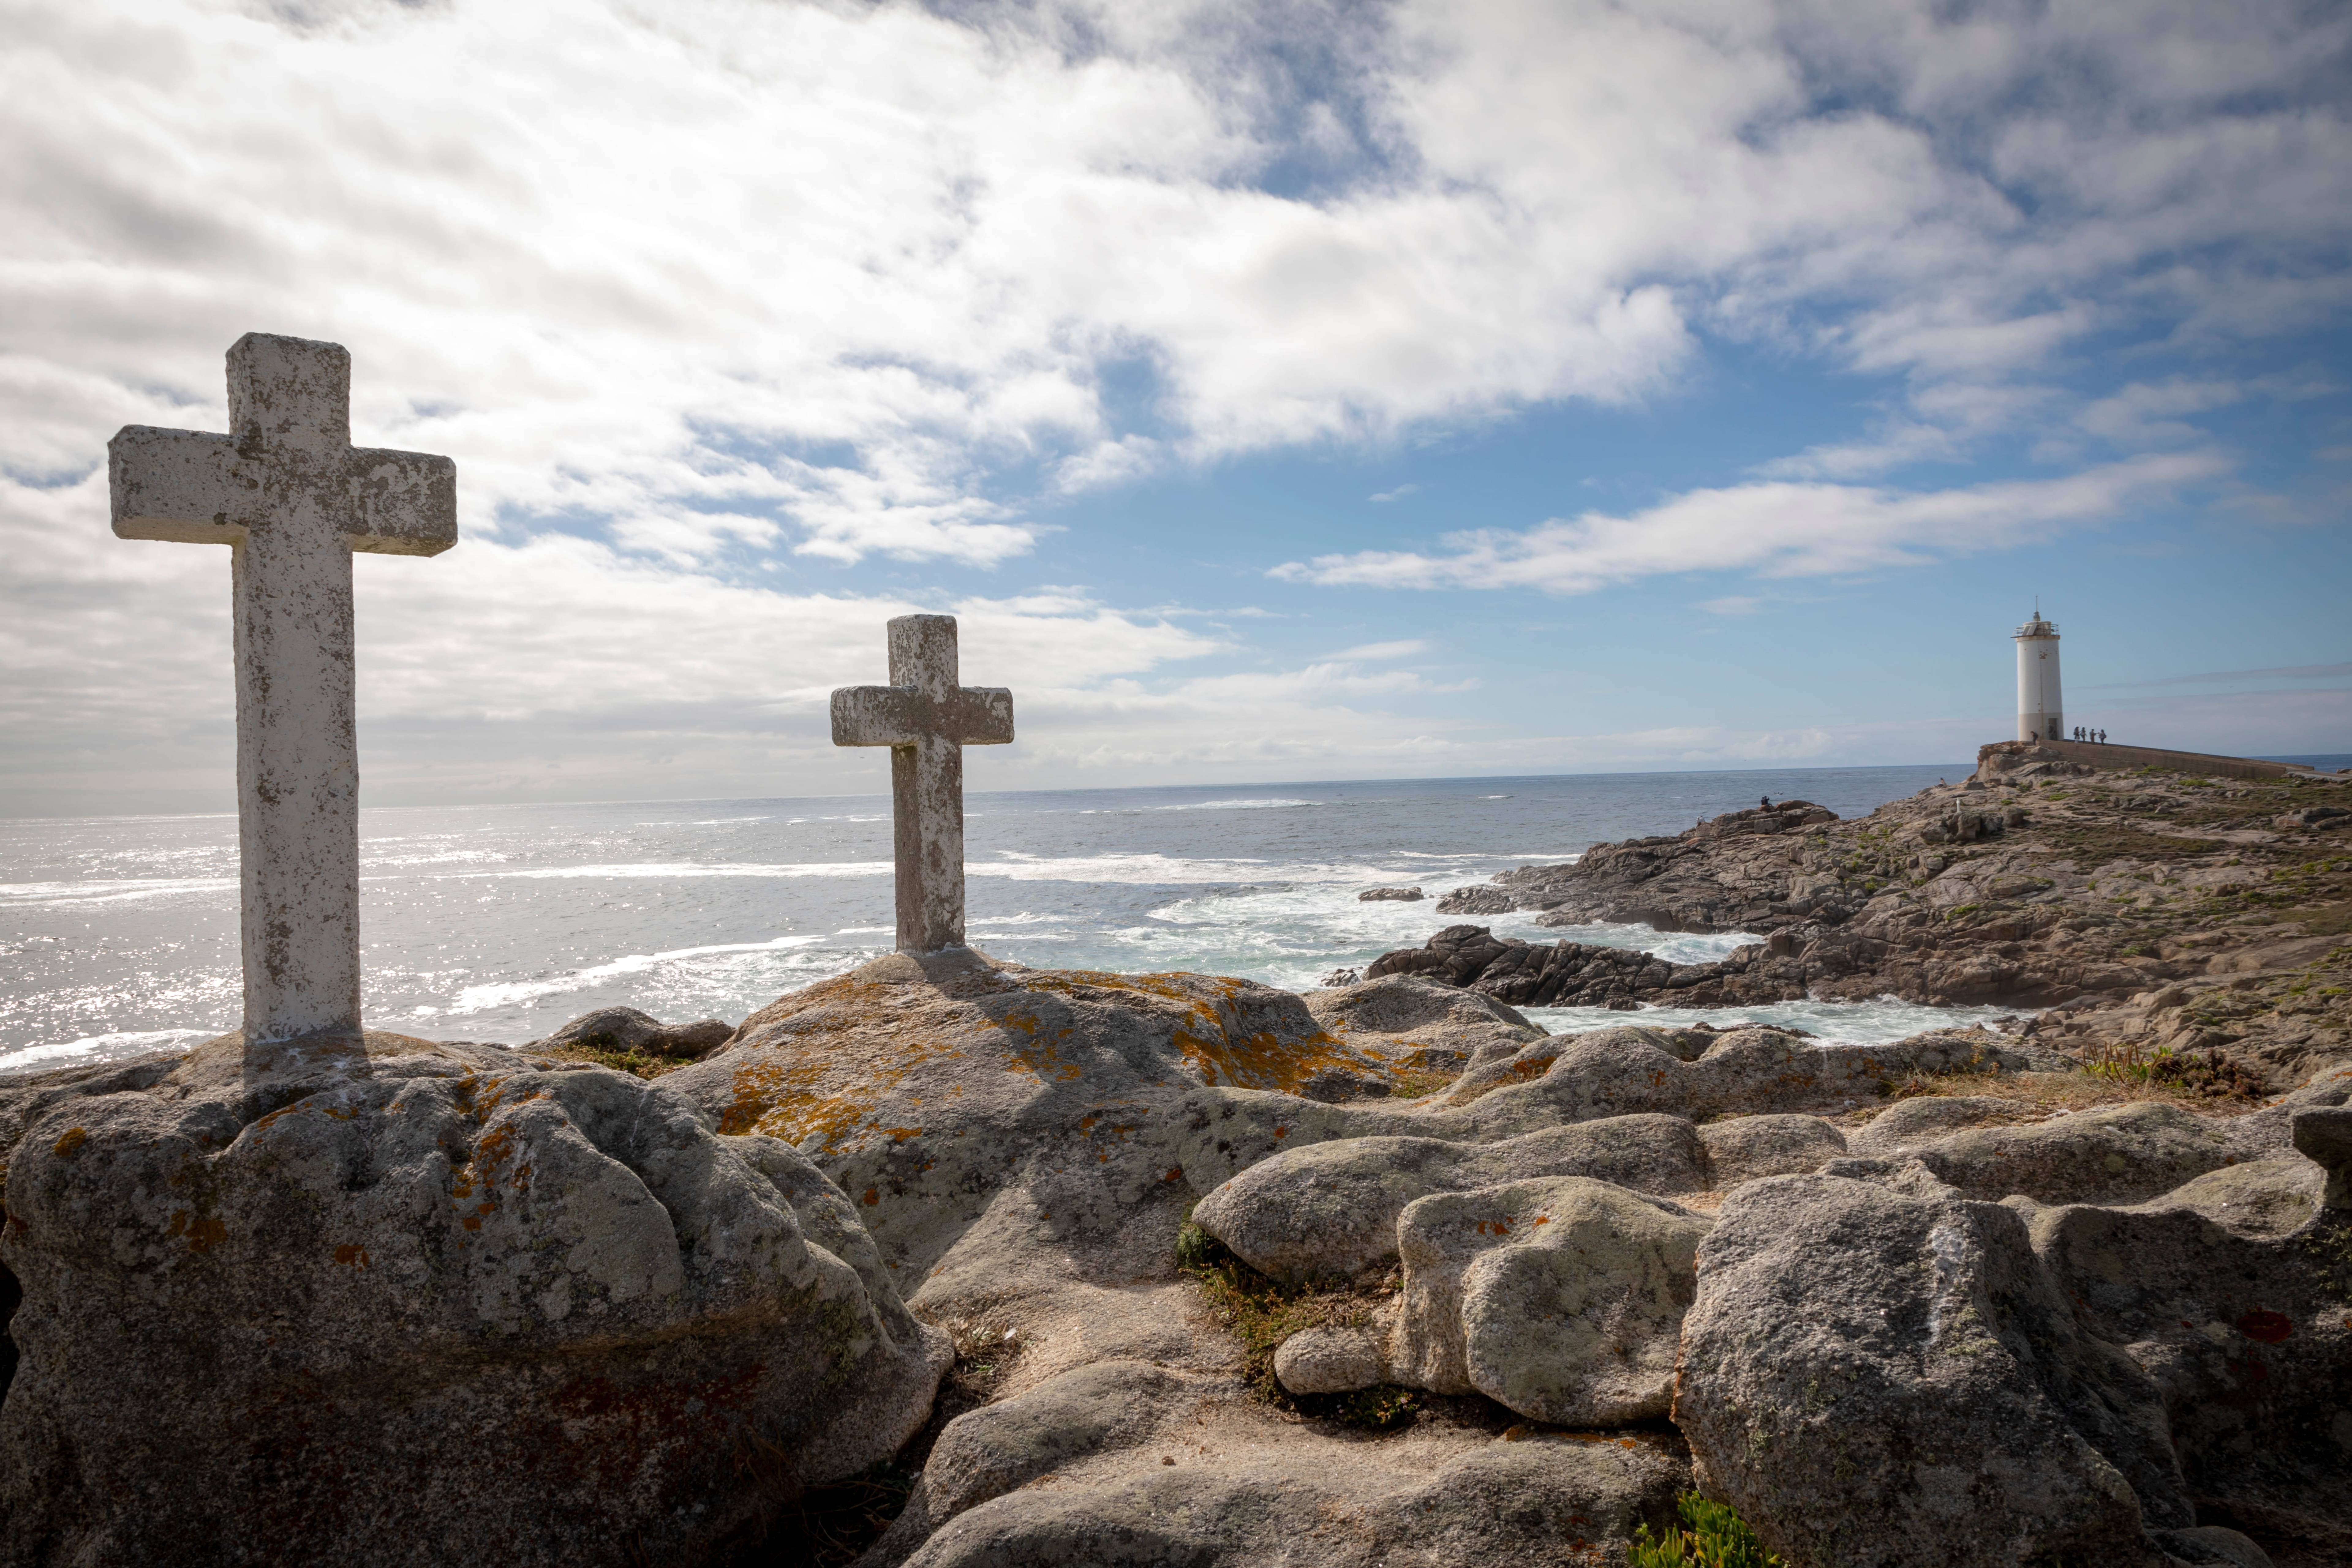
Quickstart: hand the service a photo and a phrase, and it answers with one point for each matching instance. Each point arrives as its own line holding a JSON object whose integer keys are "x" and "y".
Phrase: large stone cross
{"x": 292, "y": 498}
{"x": 926, "y": 720}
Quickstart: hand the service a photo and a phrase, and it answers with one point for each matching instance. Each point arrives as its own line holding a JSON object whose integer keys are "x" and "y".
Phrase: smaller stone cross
{"x": 926, "y": 720}
{"x": 292, "y": 498}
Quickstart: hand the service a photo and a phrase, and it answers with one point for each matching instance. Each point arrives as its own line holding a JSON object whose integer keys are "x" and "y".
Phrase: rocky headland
{"x": 951, "y": 1261}
{"x": 2136, "y": 910}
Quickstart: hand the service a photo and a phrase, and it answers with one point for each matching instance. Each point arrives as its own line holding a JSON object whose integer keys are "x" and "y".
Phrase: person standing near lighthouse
{"x": 2040, "y": 709}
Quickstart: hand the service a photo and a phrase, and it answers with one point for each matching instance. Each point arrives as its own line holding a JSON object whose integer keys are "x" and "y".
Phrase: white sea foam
{"x": 683, "y": 869}
{"x": 1674, "y": 947}
{"x": 121, "y": 1047}
{"x": 439, "y": 857}
{"x": 504, "y": 994}
{"x": 524, "y": 916}
{"x": 1871, "y": 1023}
{"x": 1198, "y": 805}
{"x": 1536, "y": 856}
{"x": 32, "y": 895}
{"x": 1174, "y": 871}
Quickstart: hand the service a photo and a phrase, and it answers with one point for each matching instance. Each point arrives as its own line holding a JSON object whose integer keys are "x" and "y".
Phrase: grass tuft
{"x": 633, "y": 1062}
{"x": 1262, "y": 1312}
{"x": 1712, "y": 1536}
{"x": 2206, "y": 1073}
{"x": 1410, "y": 1085}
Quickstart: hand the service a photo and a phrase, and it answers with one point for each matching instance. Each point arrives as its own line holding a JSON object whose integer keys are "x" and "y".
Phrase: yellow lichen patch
{"x": 1206, "y": 1040}
{"x": 1262, "y": 1062}
{"x": 351, "y": 1255}
{"x": 781, "y": 1091}
{"x": 1033, "y": 1053}
{"x": 69, "y": 1146}
{"x": 760, "y": 1082}
{"x": 203, "y": 1232}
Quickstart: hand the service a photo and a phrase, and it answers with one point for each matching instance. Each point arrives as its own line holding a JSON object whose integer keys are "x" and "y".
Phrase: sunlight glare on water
{"x": 118, "y": 936}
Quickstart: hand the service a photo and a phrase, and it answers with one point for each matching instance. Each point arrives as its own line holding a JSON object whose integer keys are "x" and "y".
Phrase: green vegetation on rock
{"x": 1711, "y": 1536}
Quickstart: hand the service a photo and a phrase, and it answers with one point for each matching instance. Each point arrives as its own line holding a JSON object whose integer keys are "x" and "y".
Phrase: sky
{"x": 1273, "y": 391}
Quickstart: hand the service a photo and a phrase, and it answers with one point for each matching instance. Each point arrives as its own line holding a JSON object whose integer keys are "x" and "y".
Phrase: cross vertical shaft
{"x": 298, "y": 763}
{"x": 292, "y": 496}
{"x": 926, "y": 719}
{"x": 927, "y": 793}
{"x": 297, "y": 776}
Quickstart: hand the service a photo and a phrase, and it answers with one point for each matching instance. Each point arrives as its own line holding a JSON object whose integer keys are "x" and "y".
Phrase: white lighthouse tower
{"x": 2039, "y": 708}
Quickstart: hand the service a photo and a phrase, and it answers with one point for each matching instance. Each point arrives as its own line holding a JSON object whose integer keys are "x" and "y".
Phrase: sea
{"x": 497, "y": 924}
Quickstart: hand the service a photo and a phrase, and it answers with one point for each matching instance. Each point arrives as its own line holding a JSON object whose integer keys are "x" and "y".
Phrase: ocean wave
{"x": 1674, "y": 947}
{"x": 1176, "y": 869}
{"x": 1485, "y": 857}
{"x": 440, "y": 858}
{"x": 1873, "y": 1022}
{"x": 508, "y": 993}
{"x": 686, "y": 868}
{"x": 33, "y": 894}
{"x": 120, "y": 1046}
{"x": 1198, "y": 805}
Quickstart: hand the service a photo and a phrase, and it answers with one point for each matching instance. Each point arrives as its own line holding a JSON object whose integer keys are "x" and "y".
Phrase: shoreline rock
{"x": 2147, "y": 913}
{"x": 380, "y": 1300}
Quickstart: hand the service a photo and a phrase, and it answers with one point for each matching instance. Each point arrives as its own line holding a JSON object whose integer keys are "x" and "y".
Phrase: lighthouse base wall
{"x": 2007, "y": 756}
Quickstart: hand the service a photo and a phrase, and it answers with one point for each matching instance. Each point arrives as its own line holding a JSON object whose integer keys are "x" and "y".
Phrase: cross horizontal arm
{"x": 983, "y": 715}
{"x": 399, "y": 503}
{"x": 200, "y": 489}
{"x": 902, "y": 715}
{"x": 183, "y": 485}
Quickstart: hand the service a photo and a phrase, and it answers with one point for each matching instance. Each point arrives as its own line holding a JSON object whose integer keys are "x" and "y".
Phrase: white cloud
{"x": 740, "y": 275}
{"x": 1777, "y": 530}
{"x": 2147, "y": 414}
{"x": 1376, "y": 652}
{"x": 689, "y": 289}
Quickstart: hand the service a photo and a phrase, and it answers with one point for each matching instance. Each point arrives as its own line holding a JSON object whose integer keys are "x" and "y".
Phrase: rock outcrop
{"x": 1579, "y": 974}
{"x": 1560, "y": 1299}
{"x": 384, "y": 1301}
{"x": 1872, "y": 1378}
{"x": 625, "y": 1029}
{"x": 1549, "y": 1497}
{"x": 2039, "y": 884}
{"x": 1330, "y": 1210}
{"x": 635, "y": 1316}
{"x": 2232, "y": 1298}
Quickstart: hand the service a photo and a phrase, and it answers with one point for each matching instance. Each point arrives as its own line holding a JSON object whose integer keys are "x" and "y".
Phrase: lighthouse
{"x": 2040, "y": 710}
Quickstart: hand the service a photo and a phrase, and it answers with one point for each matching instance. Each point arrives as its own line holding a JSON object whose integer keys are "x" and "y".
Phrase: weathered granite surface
{"x": 380, "y": 1300}
{"x": 1547, "y": 1237}
{"x": 1876, "y": 1379}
